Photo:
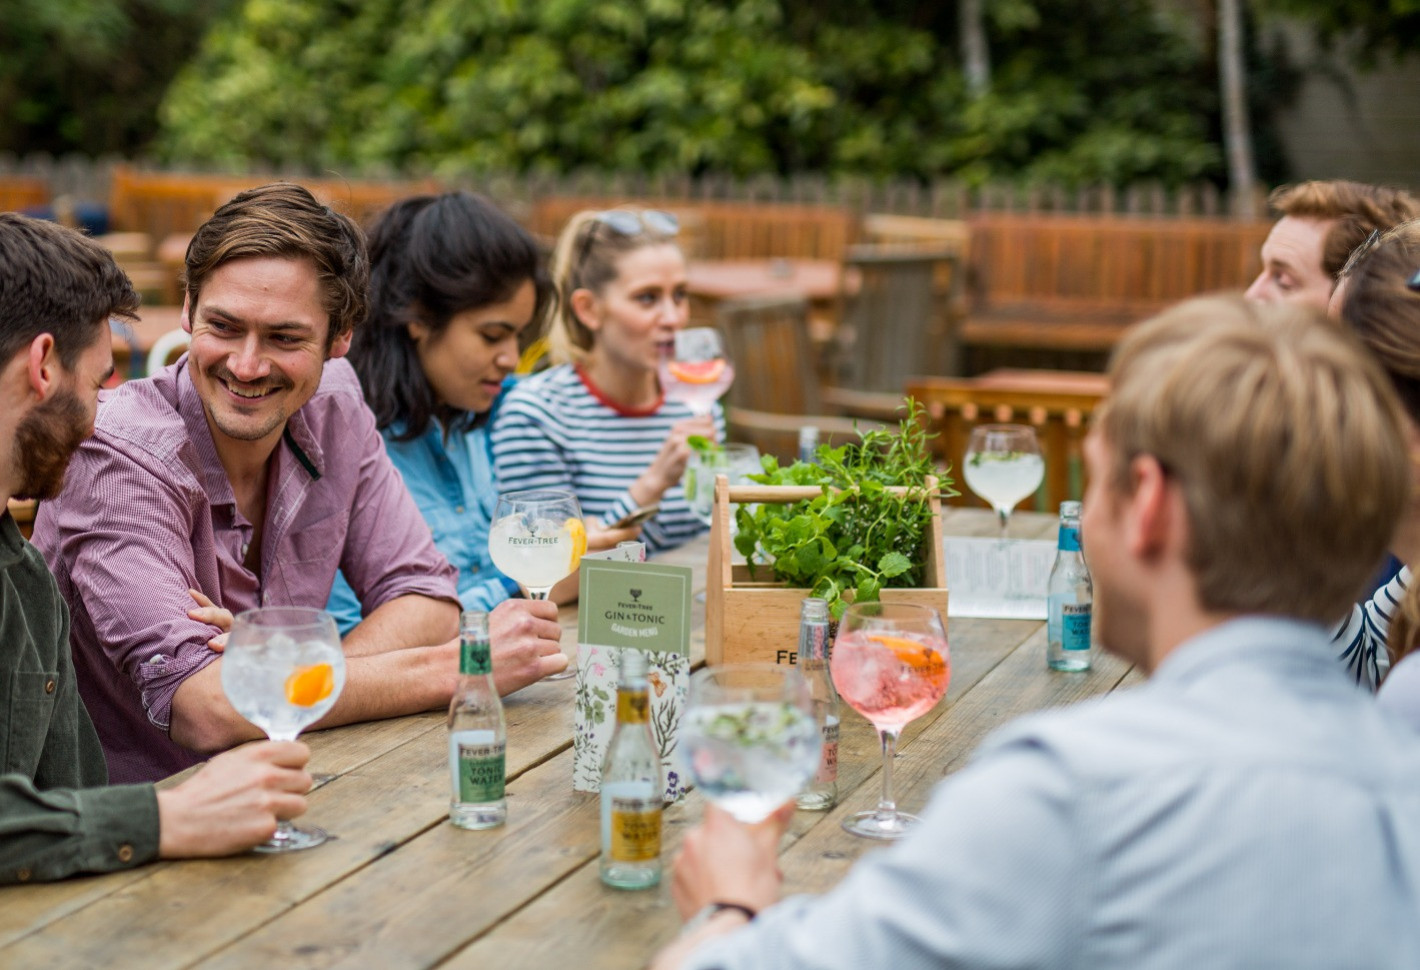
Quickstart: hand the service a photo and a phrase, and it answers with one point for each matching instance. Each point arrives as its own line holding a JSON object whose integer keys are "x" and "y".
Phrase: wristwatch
{"x": 711, "y": 910}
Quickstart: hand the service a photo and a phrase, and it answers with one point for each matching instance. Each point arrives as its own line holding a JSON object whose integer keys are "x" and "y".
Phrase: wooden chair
{"x": 776, "y": 390}
{"x": 896, "y": 323}
{"x": 1060, "y": 417}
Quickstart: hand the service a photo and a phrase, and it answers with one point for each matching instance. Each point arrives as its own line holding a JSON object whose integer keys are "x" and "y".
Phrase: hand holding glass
{"x": 283, "y": 670}
{"x": 890, "y": 663}
{"x": 749, "y": 738}
{"x": 1003, "y": 465}
{"x": 697, "y": 372}
{"x": 538, "y": 538}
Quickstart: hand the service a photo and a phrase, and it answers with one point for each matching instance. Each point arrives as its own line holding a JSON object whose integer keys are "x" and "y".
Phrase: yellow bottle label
{"x": 631, "y": 706}
{"x": 635, "y": 829}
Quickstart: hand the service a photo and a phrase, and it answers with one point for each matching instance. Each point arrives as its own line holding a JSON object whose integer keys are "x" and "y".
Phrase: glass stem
{"x": 887, "y": 807}
{"x": 1003, "y": 516}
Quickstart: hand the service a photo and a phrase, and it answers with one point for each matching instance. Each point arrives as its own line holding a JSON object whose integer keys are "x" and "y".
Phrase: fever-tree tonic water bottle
{"x": 477, "y": 734}
{"x": 632, "y": 789}
{"x": 1070, "y": 598}
{"x": 822, "y": 792}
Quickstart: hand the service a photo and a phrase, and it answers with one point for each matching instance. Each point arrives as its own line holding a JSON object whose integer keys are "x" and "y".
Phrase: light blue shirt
{"x": 453, "y": 484}
{"x": 1249, "y": 807}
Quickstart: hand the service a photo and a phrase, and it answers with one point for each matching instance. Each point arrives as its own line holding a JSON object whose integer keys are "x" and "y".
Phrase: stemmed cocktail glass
{"x": 538, "y": 538}
{"x": 735, "y": 461}
{"x": 748, "y": 736}
{"x": 697, "y": 372}
{"x": 1003, "y": 465}
{"x": 890, "y": 663}
{"x": 283, "y": 669}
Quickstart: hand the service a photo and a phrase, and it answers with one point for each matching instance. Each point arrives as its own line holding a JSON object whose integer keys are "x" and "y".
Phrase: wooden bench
{"x": 727, "y": 230}
{"x": 1068, "y": 286}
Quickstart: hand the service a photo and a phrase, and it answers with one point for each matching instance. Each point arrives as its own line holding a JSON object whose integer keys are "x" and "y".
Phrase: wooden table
{"x": 399, "y": 887}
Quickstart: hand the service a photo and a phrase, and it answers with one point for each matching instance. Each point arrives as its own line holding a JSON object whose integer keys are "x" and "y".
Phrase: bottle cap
{"x": 1070, "y": 509}
{"x": 474, "y": 623}
{"x": 814, "y": 610}
{"x": 633, "y": 666}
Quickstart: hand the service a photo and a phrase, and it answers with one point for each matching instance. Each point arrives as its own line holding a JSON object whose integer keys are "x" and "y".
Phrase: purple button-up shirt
{"x": 147, "y": 512}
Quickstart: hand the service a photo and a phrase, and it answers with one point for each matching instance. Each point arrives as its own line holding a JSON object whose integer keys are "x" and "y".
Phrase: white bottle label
{"x": 828, "y": 761}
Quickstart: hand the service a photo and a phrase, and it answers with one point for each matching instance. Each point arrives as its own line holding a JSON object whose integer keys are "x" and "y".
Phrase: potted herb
{"x": 861, "y": 523}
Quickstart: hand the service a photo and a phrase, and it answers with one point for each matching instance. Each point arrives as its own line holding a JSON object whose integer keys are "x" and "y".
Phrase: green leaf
{"x": 894, "y": 564}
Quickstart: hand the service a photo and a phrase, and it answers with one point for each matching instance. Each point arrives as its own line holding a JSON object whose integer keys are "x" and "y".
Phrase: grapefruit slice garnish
{"x": 697, "y": 371}
{"x": 308, "y": 686}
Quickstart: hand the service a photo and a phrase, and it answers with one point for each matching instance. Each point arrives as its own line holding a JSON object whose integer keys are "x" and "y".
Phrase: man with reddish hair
{"x": 1322, "y": 222}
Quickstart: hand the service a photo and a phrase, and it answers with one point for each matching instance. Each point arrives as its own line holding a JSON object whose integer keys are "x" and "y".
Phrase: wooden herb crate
{"x": 758, "y": 620}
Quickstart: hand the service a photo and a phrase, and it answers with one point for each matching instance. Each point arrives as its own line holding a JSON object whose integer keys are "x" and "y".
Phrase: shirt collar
{"x": 1245, "y": 640}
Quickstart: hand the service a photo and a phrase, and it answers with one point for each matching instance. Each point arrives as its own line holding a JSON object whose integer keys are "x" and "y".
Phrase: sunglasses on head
{"x": 628, "y": 223}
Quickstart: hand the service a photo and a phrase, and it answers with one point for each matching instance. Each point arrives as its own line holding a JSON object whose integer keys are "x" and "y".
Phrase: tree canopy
{"x": 1079, "y": 92}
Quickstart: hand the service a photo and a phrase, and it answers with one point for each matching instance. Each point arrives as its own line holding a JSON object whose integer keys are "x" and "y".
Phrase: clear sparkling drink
{"x": 1069, "y": 598}
{"x": 750, "y": 757}
{"x": 632, "y": 791}
{"x": 822, "y": 790}
{"x": 535, "y": 552}
{"x": 1004, "y": 479}
{"x": 477, "y": 733}
{"x": 284, "y": 685}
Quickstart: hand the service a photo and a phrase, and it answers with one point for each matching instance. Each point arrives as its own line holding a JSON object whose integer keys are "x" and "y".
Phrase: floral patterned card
{"x": 630, "y": 606}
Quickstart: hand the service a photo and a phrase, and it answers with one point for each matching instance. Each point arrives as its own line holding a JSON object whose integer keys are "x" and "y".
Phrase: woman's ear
{"x": 418, "y": 331}
{"x": 585, "y": 305}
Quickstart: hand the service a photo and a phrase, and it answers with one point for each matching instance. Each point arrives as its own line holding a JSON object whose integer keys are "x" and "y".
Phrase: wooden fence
{"x": 91, "y": 180}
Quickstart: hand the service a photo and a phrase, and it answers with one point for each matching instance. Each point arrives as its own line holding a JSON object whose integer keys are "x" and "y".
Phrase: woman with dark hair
{"x": 453, "y": 283}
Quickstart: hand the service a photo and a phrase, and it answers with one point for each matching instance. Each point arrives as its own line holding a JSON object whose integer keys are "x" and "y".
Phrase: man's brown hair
{"x": 1285, "y": 440}
{"x": 1357, "y": 208}
{"x": 54, "y": 280}
{"x": 284, "y": 220}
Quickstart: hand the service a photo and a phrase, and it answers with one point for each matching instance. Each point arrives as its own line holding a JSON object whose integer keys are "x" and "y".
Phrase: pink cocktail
{"x": 891, "y": 680}
{"x": 891, "y": 664}
{"x": 696, "y": 370}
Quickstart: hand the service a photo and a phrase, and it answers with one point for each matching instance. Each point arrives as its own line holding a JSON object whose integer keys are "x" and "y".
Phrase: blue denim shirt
{"x": 453, "y": 484}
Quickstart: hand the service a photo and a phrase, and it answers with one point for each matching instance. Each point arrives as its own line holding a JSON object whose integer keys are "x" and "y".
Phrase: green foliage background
{"x": 1082, "y": 92}
{"x": 87, "y": 75}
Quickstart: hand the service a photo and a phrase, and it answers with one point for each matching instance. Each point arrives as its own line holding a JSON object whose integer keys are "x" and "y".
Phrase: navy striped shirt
{"x": 555, "y": 431}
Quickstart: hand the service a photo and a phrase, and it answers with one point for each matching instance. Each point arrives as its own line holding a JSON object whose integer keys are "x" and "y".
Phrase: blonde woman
{"x": 597, "y": 421}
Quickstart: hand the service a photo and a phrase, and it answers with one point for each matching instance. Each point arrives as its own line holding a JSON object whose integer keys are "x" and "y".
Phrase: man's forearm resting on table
{"x": 385, "y": 685}
{"x": 406, "y": 621}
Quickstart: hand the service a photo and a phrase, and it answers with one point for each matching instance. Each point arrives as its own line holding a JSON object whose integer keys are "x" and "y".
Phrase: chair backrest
{"x": 955, "y": 406}
{"x": 768, "y": 341}
{"x": 23, "y": 510}
{"x": 895, "y": 321}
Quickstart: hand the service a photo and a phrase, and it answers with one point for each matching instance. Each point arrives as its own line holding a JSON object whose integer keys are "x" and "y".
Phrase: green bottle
{"x": 478, "y": 736}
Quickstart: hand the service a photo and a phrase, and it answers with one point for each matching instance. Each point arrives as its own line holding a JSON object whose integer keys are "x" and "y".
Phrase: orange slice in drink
{"x": 923, "y": 660}
{"x": 308, "y": 686}
{"x": 698, "y": 371}
{"x": 579, "y": 540}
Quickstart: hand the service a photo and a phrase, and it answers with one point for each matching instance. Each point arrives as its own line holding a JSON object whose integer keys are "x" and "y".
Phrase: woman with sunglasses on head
{"x": 453, "y": 283}
{"x": 1377, "y": 298}
{"x": 597, "y": 422}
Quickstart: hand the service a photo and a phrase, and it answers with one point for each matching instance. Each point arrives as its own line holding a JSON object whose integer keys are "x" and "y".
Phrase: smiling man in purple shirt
{"x": 251, "y": 471}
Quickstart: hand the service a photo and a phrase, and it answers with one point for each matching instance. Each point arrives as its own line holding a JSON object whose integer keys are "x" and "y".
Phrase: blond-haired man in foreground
{"x": 1248, "y": 807}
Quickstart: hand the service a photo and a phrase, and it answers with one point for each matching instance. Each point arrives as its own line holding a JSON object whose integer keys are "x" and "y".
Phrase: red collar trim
{"x": 620, "y": 409}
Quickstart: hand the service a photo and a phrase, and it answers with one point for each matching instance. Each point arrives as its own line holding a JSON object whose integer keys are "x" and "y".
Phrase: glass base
{"x": 880, "y": 825}
{"x": 288, "y": 838}
{"x": 567, "y": 674}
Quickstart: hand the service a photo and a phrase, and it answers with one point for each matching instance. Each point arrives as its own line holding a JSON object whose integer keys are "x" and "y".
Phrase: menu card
{"x": 630, "y": 606}
{"x": 1002, "y": 580}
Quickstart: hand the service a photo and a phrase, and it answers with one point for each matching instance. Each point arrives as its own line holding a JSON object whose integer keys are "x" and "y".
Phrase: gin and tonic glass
{"x": 697, "y": 372}
{"x": 283, "y": 670}
{"x": 749, "y": 738}
{"x": 890, "y": 663}
{"x": 538, "y": 538}
{"x": 1003, "y": 465}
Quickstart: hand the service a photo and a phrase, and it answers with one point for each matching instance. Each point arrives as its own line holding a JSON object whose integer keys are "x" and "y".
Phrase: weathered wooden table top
{"x": 400, "y": 887}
